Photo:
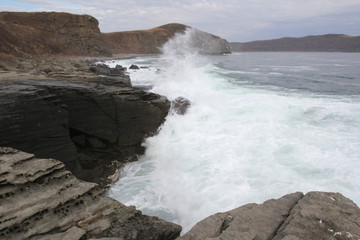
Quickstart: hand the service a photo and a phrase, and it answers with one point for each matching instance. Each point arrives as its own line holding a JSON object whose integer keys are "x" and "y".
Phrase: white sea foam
{"x": 238, "y": 143}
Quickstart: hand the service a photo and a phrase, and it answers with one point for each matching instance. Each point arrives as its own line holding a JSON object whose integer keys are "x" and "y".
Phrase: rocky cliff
{"x": 316, "y": 215}
{"x": 322, "y": 43}
{"x": 41, "y": 200}
{"x": 92, "y": 123}
{"x": 150, "y": 41}
{"x": 50, "y": 33}
{"x": 53, "y": 33}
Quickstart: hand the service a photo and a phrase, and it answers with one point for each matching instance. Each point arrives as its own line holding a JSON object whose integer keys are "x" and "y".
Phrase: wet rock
{"x": 85, "y": 121}
{"x": 180, "y": 105}
{"x": 39, "y": 199}
{"x": 134, "y": 67}
{"x": 317, "y": 215}
{"x": 101, "y": 69}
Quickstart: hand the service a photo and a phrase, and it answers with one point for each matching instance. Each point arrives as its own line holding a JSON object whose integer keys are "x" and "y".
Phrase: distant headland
{"x": 319, "y": 43}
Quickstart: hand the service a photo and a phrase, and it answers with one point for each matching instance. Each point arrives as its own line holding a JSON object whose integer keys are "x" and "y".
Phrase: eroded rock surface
{"x": 85, "y": 120}
{"x": 39, "y": 199}
{"x": 316, "y": 215}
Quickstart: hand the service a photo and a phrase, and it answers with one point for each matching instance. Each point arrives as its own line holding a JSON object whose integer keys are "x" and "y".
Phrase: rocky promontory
{"x": 90, "y": 122}
{"x": 65, "y": 34}
{"x": 150, "y": 41}
{"x": 50, "y": 33}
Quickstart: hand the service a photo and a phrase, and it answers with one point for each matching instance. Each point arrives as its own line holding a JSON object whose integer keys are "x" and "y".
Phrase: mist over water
{"x": 261, "y": 125}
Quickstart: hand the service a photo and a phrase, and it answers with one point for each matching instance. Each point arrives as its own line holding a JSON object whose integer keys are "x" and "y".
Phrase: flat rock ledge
{"x": 315, "y": 216}
{"x": 41, "y": 200}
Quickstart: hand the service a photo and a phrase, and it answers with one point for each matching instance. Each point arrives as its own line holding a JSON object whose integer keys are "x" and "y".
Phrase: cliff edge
{"x": 150, "y": 41}
{"x": 50, "y": 33}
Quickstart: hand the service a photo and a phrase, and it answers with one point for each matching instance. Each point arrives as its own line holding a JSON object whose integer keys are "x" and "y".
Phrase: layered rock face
{"x": 86, "y": 121}
{"x": 316, "y": 215}
{"x": 50, "y": 33}
{"x": 150, "y": 41}
{"x": 41, "y": 200}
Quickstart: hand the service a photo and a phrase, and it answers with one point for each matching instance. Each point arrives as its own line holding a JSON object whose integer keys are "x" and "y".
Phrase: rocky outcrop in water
{"x": 180, "y": 105}
{"x": 41, "y": 200}
{"x": 92, "y": 123}
{"x": 50, "y": 33}
{"x": 316, "y": 215}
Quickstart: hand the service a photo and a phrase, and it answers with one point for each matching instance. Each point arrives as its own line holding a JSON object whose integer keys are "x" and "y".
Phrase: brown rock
{"x": 50, "y": 33}
{"x": 39, "y": 199}
{"x": 317, "y": 215}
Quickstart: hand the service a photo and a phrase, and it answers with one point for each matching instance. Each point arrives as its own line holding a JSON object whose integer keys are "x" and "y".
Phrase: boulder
{"x": 316, "y": 215}
{"x": 180, "y": 105}
{"x": 133, "y": 66}
{"x": 41, "y": 200}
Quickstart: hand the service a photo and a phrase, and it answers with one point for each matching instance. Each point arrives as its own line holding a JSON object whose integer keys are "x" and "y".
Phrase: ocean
{"x": 261, "y": 125}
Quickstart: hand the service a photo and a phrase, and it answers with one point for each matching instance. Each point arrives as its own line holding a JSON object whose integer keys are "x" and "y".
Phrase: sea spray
{"x": 242, "y": 140}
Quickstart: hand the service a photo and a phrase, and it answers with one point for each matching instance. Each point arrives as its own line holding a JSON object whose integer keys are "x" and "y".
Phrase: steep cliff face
{"x": 85, "y": 120}
{"x": 322, "y": 43}
{"x": 41, "y": 200}
{"x": 150, "y": 41}
{"x": 50, "y": 33}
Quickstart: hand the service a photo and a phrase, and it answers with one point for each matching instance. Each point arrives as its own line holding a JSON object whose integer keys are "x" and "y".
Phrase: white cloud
{"x": 232, "y": 19}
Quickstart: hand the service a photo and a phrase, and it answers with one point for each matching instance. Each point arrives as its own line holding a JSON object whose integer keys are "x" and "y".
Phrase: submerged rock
{"x": 316, "y": 215}
{"x": 180, "y": 105}
{"x": 41, "y": 200}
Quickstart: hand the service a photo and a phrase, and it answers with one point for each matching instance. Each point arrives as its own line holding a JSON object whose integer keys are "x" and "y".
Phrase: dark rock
{"x": 86, "y": 124}
{"x": 101, "y": 69}
{"x": 120, "y": 68}
{"x": 180, "y": 105}
{"x": 41, "y": 200}
{"x": 317, "y": 215}
{"x": 134, "y": 67}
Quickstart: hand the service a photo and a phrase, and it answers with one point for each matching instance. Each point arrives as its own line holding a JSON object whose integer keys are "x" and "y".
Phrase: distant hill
{"x": 149, "y": 41}
{"x": 321, "y": 43}
{"x": 141, "y": 41}
{"x": 54, "y": 33}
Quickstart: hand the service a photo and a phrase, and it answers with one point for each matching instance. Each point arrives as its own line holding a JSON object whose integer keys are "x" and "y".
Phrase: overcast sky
{"x": 234, "y": 20}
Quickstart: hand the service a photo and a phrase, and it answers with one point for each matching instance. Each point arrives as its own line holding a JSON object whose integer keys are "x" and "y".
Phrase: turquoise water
{"x": 261, "y": 125}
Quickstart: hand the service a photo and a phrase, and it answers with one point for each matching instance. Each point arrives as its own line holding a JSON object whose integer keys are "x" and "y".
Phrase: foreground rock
{"x": 317, "y": 215}
{"x": 92, "y": 123}
{"x": 41, "y": 200}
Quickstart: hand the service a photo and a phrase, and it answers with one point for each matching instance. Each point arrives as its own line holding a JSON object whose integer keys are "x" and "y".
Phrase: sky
{"x": 234, "y": 20}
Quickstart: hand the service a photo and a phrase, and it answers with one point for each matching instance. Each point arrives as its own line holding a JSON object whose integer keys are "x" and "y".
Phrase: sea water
{"x": 260, "y": 125}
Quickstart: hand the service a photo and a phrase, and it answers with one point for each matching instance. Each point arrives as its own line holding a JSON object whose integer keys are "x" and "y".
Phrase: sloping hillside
{"x": 141, "y": 41}
{"x": 50, "y": 33}
{"x": 321, "y": 43}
